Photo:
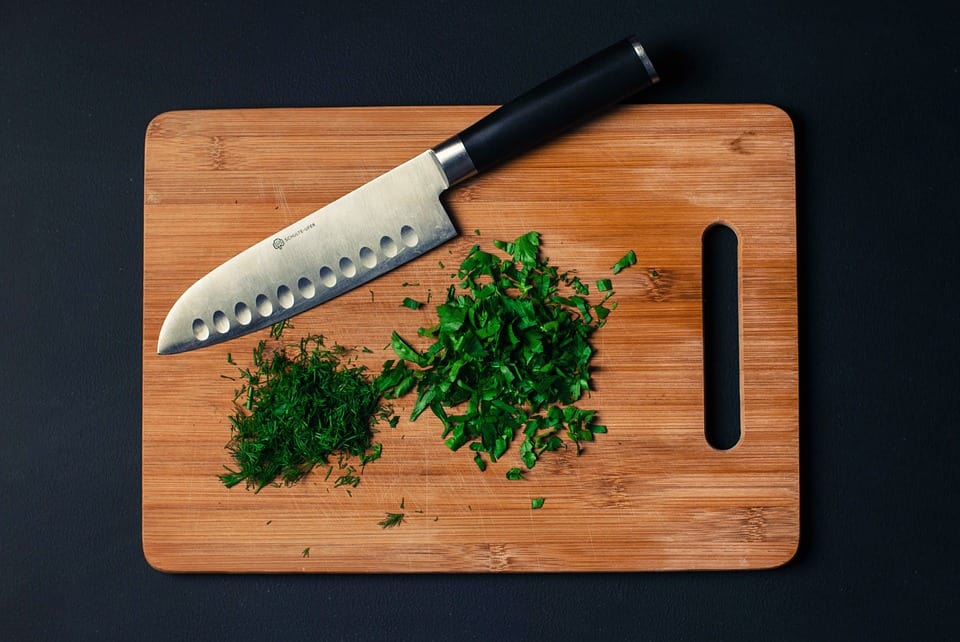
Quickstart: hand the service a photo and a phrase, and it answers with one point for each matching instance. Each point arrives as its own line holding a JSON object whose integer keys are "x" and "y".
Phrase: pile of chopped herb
{"x": 298, "y": 405}
{"x": 510, "y": 356}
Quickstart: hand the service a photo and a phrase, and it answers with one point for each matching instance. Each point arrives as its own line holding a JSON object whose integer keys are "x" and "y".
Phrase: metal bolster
{"x": 642, "y": 54}
{"x": 454, "y": 160}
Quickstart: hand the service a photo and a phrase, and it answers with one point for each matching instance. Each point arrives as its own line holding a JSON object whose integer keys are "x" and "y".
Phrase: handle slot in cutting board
{"x": 721, "y": 336}
{"x": 651, "y": 494}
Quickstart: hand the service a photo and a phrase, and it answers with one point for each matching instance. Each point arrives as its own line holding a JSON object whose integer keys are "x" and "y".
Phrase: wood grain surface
{"x": 649, "y": 495}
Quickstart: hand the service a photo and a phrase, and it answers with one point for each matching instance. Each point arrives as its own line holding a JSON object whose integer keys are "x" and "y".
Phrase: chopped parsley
{"x": 510, "y": 355}
{"x": 630, "y": 258}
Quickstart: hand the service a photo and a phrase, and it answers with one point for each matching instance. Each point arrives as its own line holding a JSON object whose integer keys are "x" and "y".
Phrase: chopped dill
{"x": 276, "y": 331}
{"x": 374, "y": 454}
{"x": 391, "y": 520}
{"x": 297, "y": 405}
{"x": 347, "y": 480}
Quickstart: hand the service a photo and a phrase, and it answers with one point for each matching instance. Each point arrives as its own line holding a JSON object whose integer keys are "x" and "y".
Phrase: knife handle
{"x": 568, "y": 98}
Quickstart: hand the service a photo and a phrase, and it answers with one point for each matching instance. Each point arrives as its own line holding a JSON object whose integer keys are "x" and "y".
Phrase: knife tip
{"x": 169, "y": 341}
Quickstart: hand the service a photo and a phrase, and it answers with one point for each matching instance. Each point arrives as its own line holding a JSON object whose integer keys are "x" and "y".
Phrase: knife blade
{"x": 394, "y": 218}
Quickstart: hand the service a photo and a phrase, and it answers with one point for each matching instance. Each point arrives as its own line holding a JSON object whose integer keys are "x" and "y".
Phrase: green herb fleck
{"x": 478, "y": 460}
{"x": 514, "y": 474}
{"x": 306, "y": 552}
{"x": 348, "y": 479}
{"x": 604, "y": 285}
{"x": 276, "y": 330}
{"x": 630, "y": 258}
{"x": 578, "y": 286}
{"x": 411, "y": 303}
{"x": 537, "y": 502}
{"x": 391, "y": 520}
{"x": 374, "y": 454}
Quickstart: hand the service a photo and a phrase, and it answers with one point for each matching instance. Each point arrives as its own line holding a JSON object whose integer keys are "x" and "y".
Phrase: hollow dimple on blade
{"x": 387, "y": 222}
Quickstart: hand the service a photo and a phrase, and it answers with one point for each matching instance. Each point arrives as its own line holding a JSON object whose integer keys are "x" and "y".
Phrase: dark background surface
{"x": 873, "y": 89}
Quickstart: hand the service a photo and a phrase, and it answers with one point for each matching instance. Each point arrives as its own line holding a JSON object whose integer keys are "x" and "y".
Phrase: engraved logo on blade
{"x": 279, "y": 242}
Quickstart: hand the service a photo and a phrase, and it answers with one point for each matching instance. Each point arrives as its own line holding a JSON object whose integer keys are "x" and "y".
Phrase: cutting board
{"x": 651, "y": 494}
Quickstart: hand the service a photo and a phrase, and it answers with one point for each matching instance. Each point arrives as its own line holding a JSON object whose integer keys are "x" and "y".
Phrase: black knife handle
{"x": 568, "y": 98}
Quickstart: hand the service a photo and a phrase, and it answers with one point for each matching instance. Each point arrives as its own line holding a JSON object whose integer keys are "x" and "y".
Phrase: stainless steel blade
{"x": 387, "y": 222}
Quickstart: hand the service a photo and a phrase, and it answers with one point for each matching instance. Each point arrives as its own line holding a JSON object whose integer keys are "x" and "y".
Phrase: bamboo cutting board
{"x": 651, "y": 494}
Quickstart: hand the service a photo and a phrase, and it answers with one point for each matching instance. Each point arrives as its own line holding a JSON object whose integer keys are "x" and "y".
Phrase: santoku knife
{"x": 393, "y": 218}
